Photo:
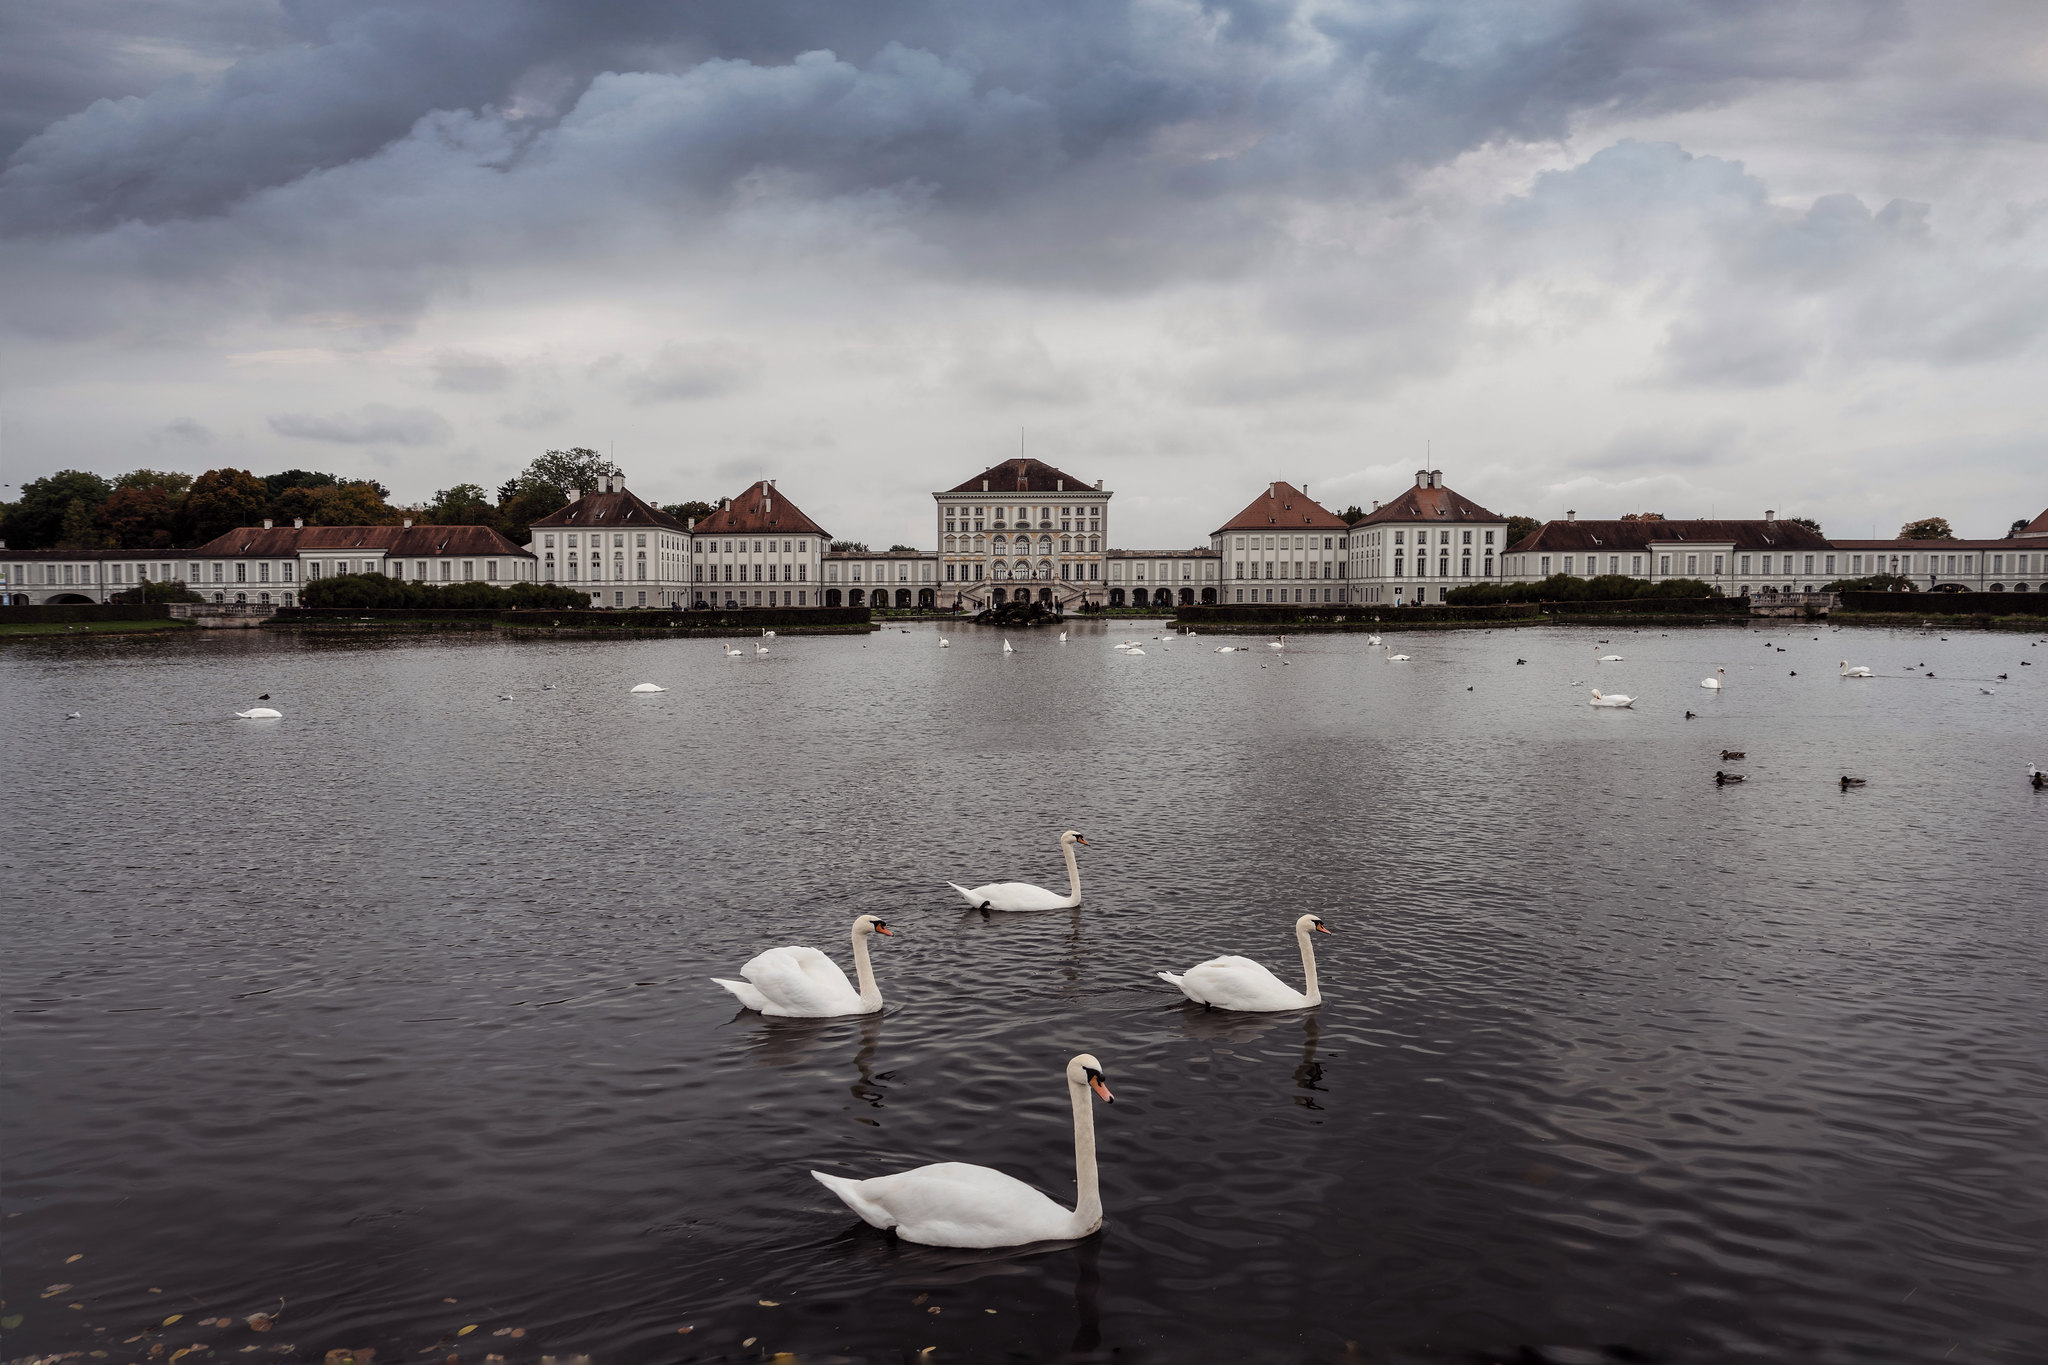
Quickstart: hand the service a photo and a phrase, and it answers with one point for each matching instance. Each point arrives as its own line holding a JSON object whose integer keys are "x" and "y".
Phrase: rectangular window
{"x": 1567, "y": 563}
{"x": 241, "y": 573}
{"x": 469, "y": 571}
{"x": 1831, "y": 564}
{"x": 1809, "y": 563}
{"x": 287, "y": 571}
{"x": 447, "y": 569}
{"x": 1663, "y": 563}
{"x": 263, "y": 572}
{"x": 1745, "y": 563}
{"x": 491, "y": 570}
{"x": 1545, "y": 569}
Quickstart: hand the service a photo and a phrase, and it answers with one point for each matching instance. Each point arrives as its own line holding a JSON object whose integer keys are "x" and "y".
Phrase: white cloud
{"x": 370, "y": 424}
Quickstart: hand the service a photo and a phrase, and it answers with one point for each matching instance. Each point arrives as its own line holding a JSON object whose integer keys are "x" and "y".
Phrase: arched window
{"x": 1045, "y": 545}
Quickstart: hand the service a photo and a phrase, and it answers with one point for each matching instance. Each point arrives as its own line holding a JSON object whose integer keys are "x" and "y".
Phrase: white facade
{"x": 1022, "y": 529}
{"x": 1424, "y": 543}
{"x": 1163, "y": 578}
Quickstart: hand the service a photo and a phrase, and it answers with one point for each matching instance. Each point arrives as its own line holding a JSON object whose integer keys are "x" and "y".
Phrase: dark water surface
{"x": 398, "y": 1009}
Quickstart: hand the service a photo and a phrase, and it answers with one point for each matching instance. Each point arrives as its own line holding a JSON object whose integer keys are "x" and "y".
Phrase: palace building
{"x": 1283, "y": 547}
{"x": 1429, "y": 537}
{"x": 1022, "y": 531}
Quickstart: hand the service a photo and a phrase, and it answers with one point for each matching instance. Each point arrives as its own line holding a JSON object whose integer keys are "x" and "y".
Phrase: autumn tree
{"x": 139, "y": 516}
{"x": 38, "y": 521}
{"x": 1927, "y": 528}
{"x": 1644, "y": 516}
{"x": 221, "y": 500}
{"x": 341, "y": 504}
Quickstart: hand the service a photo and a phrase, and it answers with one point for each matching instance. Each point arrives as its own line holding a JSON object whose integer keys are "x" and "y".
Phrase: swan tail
{"x": 968, "y": 896}
{"x": 1170, "y": 979}
{"x": 747, "y": 993}
{"x": 849, "y": 1192}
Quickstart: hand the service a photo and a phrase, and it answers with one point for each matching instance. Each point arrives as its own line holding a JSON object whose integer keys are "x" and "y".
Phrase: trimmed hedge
{"x": 358, "y": 590}
{"x": 1564, "y": 587}
{"x": 79, "y": 611}
{"x": 1369, "y": 615}
{"x": 1948, "y": 603}
{"x": 628, "y": 618}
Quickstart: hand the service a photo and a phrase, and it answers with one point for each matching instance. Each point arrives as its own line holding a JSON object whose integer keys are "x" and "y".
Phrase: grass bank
{"x": 19, "y": 629}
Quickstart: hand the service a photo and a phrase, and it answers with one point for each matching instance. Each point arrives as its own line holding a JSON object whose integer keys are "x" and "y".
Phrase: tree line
{"x": 153, "y": 509}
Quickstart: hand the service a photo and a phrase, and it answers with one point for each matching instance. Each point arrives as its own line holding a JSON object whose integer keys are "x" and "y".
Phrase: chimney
{"x": 691, "y": 525}
{"x": 1375, "y": 504}
{"x": 1436, "y": 478}
{"x": 1098, "y": 485}
{"x": 575, "y": 494}
{"x": 1570, "y": 516}
{"x": 1770, "y": 515}
{"x": 408, "y": 523}
{"x": 266, "y": 523}
{"x": 298, "y": 523}
{"x": 1422, "y": 478}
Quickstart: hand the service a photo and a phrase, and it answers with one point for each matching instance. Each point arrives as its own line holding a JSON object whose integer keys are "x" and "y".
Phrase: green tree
{"x": 139, "y": 516}
{"x": 37, "y": 520}
{"x": 298, "y": 478}
{"x": 1644, "y": 516}
{"x": 1808, "y": 522}
{"x": 1353, "y": 514}
{"x": 174, "y": 485}
{"x": 855, "y": 546}
{"x": 1927, "y": 528}
{"x": 2018, "y": 526}
{"x": 1520, "y": 528}
{"x": 466, "y": 504}
{"x": 337, "y": 504}
{"x": 576, "y": 469}
{"x": 221, "y": 500}
{"x": 688, "y": 511}
{"x": 81, "y": 529}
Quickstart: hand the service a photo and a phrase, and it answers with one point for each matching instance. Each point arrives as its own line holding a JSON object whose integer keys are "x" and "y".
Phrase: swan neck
{"x": 1087, "y": 1193}
{"x": 864, "y": 972}
{"x": 1073, "y": 872}
{"x": 1308, "y": 965}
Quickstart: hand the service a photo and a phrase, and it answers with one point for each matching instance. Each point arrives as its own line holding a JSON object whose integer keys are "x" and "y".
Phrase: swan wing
{"x": 1238, "y": 983}
{"x": 1019, "y": 896}
{"x": 744, "y": 991}
{"x": 953, "y": 1204}
{"x": 801, "y": 983}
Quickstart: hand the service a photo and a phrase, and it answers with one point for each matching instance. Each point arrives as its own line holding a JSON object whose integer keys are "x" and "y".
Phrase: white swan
{"x": 1858, "y": 672}
{"x": 1608, "y": 658}
{"x": 1372, "y": 640}
{"x": 953, "y": 1204}
{"x": 767, "y": 634}
{"x": 253, "y": 713}
{"x": 1280, "y": 643}
{"x": 1392, "y": 657}
{"x": 944, "y": 643}
{"x": 760, "y": 649}
{"x": 803, "y": 983}
{"x": 1238, "y": 983}
{"x": 1007, "y": 649}
{"x": 650, "y": 687}
{"x": 1025, "y": 896}
{"x": 1063, "y": 637}
{"x": 1715, "y": 681}
{"x": 1616, "y": 700}
{"x": 1134, "y": 649}
{"x": 731, "y": 651}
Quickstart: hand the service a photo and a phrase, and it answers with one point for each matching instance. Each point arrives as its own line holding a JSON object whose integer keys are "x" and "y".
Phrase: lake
{"x": 397, "y": 1012}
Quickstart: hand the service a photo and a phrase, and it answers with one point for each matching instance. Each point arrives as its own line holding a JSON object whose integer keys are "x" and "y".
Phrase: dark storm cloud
{"x": 988, "y": 102}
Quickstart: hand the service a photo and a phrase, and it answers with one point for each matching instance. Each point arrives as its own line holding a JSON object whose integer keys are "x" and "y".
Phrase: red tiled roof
{"x": 1282, "y": 504}
{"x": 620, "y": 508}
{"x": 760, "y": 510}
{"x": 1637, "y": 535}
{"x": 1437, "y": 504}
{"x": 1023, "y": 476}
{"x": 2037, "y": 527}
{"x": 283, "y": 542}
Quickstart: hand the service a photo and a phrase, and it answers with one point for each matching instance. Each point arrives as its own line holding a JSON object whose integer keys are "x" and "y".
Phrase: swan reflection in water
{"x": 1211, "y": 1026}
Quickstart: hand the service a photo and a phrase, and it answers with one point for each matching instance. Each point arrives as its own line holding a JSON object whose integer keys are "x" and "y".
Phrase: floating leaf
{"x": 259, "y": 1322}
{"x": 447, "y": 1300}
{"x": 172, "y": 1318}
{"x": 933, "y": 1309}
{"x": 685, "y": 1331}
{"x": 502, "y": 1332}
{"x": 921, "y": 1299}
{"x": 770, "y": 1303}
{"x": 518, "y": 1332}
{"x": 79, "y": 1256}
{"x": 13, "y": 1320}
{"x": 750, "y": 1341}
{"x": 54, "y": 1290}
{"x": 180, "y": 1354}
{"x": 465, "y": 1331}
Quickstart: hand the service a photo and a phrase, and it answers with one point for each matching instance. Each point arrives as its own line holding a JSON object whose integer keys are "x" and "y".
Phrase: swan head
{"x": 1311, "y": 924}
{"x": 868, "y": 924}
{"x": 1073, "y": 836}
{"x": 1085, "y": 1070}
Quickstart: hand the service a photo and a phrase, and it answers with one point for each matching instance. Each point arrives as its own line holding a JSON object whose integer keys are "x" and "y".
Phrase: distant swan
{"x": 1372, "y": 639}
{"x": 1238, "y": 983}
{"x": 1616, "y": 700}
{"x": 1135, "y": 649}
{"x": 254, "y": 713}
{"x": 1715, "y": 681}
{"x": 1392, "y": 657}
{"x": 767, "y": 634}
{"x": 944, "y": 643}
{"x": 1226, "y": 649}
{"x": 954, "y": 1204}
{"x": 1063, "y": 637}
{"x": 1857, "y": 672}
{"x": 1609, "y": 658}
{"x": 1025, "y": 896}
{"x": 760, "y": 649}
{"x": 1280, "y": 643}
{"x": 803, "y": 983}
{"x": 1007, "y": 649}
{"x": 650, "y": 687}
{"x": 731, "y": 651}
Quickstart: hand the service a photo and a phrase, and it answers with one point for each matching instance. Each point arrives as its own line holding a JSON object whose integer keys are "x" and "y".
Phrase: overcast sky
{"x": 1701, "y": 257}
